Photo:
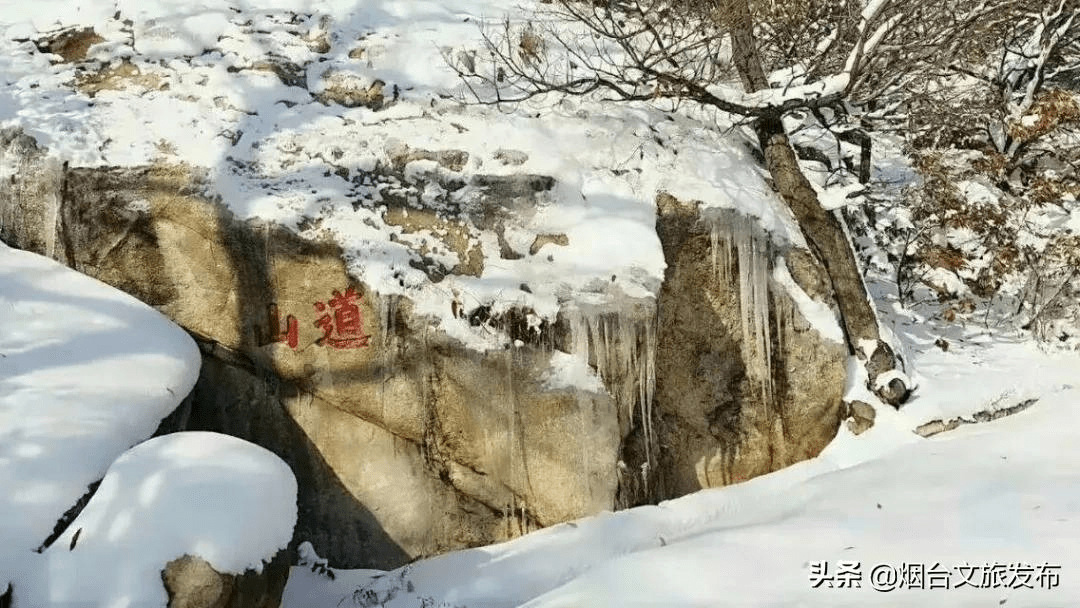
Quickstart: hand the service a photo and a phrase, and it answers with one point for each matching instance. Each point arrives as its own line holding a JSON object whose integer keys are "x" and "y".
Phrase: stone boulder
{"x": 404, "y": 443}
{"x": 715, "y": 423}
{"x": 861, "y": 416}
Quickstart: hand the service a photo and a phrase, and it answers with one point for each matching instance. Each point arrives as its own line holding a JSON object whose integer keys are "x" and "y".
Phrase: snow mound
{"x": 86, "y": 371}
{"x": 213, "y": 496}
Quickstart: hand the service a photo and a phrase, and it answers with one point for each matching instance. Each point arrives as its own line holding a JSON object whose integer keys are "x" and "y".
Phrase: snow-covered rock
{"x": 86, "y": 371}
{"x": 750, "y": 370}
{"x": 383, "y": 291}
{"x": 213, "y": 497}
{"x": 395, "y": 430}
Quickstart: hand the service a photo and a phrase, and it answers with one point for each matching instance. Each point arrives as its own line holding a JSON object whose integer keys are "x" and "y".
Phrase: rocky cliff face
{"x": 745, "y": 384}
{"x": 404, "y": 441}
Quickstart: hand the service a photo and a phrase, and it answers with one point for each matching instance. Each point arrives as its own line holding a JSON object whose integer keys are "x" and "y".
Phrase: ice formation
{"x": 621, "y": 342}
{"x": 740, "y": 245}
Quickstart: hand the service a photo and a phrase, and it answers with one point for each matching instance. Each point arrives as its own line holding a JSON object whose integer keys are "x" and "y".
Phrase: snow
{"x": 86, "y": 372}
{"x": 571, "y": 371}
{"x": 1001, "y": 493}
{"x": 212, "y": 496}
{"x": 236, "y": 83}
{"x": 276, "y": 153}
{"x": 978, "y": 192}
{"x": 982, "y": 371}
{"x": 818, "y": 314}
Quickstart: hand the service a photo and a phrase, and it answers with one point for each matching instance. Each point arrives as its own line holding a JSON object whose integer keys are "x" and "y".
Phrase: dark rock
{"x": 544, "y": 239}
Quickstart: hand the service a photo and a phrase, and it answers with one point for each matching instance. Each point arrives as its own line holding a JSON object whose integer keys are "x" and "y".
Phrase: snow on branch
{"x": 1050, "y": 31}
{"x": 635, "y": 50}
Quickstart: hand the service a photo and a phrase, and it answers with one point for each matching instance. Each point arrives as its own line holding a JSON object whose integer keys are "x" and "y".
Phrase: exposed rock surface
{"x": 71, "y": 44}
{"x": 191, "y": 582}
{"x": 404, "y": 443}
{"x": 350, "y": 90}
{"x": 861, "y": 418}
{"x": 988, "y": 415}
{"x": 546, "y": 239}
{"x": 715, "y": 426}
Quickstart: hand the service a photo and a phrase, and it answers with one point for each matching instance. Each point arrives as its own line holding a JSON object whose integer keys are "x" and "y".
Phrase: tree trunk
{"x": 822, "y": 229}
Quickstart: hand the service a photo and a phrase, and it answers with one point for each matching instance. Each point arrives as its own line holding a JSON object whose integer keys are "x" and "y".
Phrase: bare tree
{"x": 698, "y": 51}
{"x": 988, "y": 81}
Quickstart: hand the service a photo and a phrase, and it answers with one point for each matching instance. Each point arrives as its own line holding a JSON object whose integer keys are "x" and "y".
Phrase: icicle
{"x": 578, "y": 335}
{"x": 650, "y": 387}
{"x": 621, "y": 342}
{"x": 746, "y": 244}
{"x": 594, "y": 339}
{"x": 644, "y": 409}
{"x": 643, "y": 397}
{"x": 611, "y": 364}
{"x": 628, "y": 352}
{"x": 714, "y": 242}
{"x": 53, "y": 183}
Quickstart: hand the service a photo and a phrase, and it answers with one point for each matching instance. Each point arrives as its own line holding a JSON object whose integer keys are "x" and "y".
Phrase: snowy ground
{"x": 989, "y": 510}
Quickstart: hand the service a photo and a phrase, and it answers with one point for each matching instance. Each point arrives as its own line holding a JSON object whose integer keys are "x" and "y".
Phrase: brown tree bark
{"x": 821, "y": 228}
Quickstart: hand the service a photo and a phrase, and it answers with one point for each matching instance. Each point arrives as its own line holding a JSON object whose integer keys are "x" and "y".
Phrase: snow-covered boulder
{"x": 414, "y": 441}
{"x": 218, "y": 499}
{"x": 418, "y": 441}
{"x": 444, "y": 318}
{"x": 86, "y": 371}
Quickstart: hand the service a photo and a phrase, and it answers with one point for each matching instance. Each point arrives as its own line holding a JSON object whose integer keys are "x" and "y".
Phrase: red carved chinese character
{"x": 346, "y": 328}
{"x": 290, "y": 335}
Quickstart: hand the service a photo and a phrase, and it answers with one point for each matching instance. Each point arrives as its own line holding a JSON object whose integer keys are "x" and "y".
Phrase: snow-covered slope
{"x": 989, "y": 509}
{"x": 243, "y": 90}
{"x": 86, "y": 372}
